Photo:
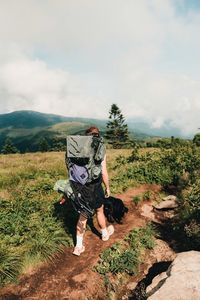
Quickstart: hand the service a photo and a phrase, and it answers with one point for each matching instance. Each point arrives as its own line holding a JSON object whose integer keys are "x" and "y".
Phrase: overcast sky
{"x": 77, "y": 57}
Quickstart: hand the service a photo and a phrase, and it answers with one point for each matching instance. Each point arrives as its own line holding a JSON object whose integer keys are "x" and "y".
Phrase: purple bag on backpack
{"x": 78, "y": 174}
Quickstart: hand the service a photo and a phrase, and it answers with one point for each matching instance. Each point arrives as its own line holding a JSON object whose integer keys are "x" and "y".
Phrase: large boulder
{"x": 181, "y": 281}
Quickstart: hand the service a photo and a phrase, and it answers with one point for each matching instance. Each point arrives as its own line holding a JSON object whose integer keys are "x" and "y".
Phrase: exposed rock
{"x": 131, "y": 286}
{"x": 147, "y": 211}
{"x": 157, "y": 282}
{"x": 183, "y": 279}
{"x": 161, "y": 253}
{"x": 168, "y": 202}
{"x": 158, "y": 216}
{"x": 170, "y": 197}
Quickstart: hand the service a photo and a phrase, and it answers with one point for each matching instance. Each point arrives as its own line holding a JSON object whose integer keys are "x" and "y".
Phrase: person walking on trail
{"x": 88, "y": 188}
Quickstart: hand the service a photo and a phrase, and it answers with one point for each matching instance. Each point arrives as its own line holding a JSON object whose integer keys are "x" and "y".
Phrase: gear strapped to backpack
{"x": 64, "y": 187}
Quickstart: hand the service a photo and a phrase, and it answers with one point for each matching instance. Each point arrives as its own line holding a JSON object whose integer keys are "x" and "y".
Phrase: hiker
{"x": 90, "y": 191}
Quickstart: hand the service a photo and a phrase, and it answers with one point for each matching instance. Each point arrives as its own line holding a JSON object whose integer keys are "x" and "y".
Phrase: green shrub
{"x": 136, "y": 199}
{"x": 147, "y": 195}
{"x": 126, "y": 262}
{"x": 124, "y": 257}
{"x": 165, "y": 167}
{"x": 142, "y": 238}
{"x": 187, "y": 223}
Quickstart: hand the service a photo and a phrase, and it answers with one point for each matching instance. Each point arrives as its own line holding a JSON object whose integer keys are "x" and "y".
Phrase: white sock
{"x": 79, "y": 241}
{"x": 104, "y": 232}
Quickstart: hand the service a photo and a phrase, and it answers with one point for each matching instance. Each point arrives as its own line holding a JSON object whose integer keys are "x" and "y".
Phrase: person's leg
{"x": 80, "y": 230}
{"x": 81, "y": 225}
{"x": 106, "y": 231}
{"x": 101, "y": 217}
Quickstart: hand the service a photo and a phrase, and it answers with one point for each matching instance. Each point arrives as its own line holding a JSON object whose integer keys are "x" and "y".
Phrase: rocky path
{"x": 71, "y": 277}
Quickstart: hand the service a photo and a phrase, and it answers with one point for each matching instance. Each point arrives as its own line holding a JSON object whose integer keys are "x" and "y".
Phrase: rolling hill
{"x": 27, "y": 128}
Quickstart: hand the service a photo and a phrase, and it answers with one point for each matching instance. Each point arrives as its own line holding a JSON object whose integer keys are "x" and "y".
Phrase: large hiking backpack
{"x": 83, "y": 158}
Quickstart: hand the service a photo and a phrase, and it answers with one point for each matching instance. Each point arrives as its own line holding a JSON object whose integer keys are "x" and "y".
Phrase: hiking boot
{"x": 110, "y": 231}
{"x": 77, "y": 250}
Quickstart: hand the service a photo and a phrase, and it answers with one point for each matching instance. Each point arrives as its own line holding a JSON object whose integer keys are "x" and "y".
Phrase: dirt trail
{"x": 71, "y": 277}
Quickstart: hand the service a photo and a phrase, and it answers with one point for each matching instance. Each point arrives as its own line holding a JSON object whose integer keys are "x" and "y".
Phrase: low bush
{"x": 186, "y": 225}
{"x": 124, "y": 257}
{"x": 178, "y": 166}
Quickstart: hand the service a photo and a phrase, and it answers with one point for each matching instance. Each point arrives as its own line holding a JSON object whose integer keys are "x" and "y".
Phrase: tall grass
{"x": 28, "y": 222}
{"x": 10, "y": 264}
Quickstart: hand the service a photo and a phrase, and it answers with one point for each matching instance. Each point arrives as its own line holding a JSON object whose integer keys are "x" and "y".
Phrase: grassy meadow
{"x": 32, "y": 222}
{"x": 33, "y": 225}
{"x": 30, "y": 233}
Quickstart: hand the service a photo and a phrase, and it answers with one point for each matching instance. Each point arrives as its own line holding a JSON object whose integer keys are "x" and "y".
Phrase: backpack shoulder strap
{"x": 100, "y": 151}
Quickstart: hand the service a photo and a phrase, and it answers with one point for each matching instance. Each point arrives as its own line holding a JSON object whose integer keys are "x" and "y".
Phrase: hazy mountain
{"x": 166, "y": 130}
{"x": 27, "y": 128}
{"x": 32, "y": 119}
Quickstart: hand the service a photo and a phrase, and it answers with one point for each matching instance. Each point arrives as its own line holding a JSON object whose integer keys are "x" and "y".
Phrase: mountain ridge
{"x": 27, "y": 127}
{"x": 29, "y": 119}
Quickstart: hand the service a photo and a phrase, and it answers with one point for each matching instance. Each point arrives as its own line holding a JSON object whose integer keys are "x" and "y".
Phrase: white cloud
{"x": 164, "y": 98}
{"x": 78, "y": 57}
{"x": 30, "y": 84}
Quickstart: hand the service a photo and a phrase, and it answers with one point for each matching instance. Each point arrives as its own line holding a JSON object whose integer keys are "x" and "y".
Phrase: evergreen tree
{"x": 58, "y": 144}
{"x": 117, "y": 131}
{"x": 43, "y": 145}
{"x": 9, "y": 147}
{"x": 196, "y": 139}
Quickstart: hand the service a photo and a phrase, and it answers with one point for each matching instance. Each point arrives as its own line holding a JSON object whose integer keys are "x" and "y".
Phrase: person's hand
{"x": 62, "y": 200}
{"x": 107, "y": 192}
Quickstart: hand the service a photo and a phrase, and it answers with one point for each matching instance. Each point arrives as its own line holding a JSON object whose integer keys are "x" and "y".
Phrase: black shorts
{"x": 91, "y": 193}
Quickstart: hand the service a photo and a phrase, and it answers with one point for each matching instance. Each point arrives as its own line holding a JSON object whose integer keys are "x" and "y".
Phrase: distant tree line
{"x": 43, "y": 145}
{"x": 116, "y": 135}
{"x": 167, "y": 143}
{"x": 9, "y": 147}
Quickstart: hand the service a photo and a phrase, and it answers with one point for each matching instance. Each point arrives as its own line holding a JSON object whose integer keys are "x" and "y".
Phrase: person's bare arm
{"x": 105, "y": 177}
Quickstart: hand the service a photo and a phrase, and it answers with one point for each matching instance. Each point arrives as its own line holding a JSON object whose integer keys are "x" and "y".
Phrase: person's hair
{"x": 93, "y": 130}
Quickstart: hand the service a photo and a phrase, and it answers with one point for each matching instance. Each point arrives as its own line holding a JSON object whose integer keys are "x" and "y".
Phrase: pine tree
{"x": 196, "y": 139}
{"x": 58, "y": 144}
{"x": 117, "y": 131}
{"x": 9, "y": 148}
{"x": 43, "y": 145}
